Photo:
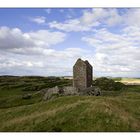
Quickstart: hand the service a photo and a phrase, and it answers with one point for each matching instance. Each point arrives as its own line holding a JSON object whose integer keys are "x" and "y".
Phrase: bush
{"x": 119, "y": 86}
{"x": 108, "y": 84}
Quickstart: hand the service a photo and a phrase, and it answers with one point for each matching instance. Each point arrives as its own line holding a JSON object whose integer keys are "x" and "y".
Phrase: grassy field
{"x": 117, "y": 111}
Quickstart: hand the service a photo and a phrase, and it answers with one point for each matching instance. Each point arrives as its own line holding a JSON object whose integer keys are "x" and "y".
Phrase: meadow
{"x": 113, "y": 111}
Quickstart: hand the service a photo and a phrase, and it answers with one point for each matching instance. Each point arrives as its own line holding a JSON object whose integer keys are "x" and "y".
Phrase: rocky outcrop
{"x": 51, "y": 93}
{"x": 91, "y": 91}
{"x": 69, "y": 90}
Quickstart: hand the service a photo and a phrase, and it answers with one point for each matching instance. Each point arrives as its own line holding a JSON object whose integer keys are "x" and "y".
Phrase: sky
{"x": 48, "y": 41}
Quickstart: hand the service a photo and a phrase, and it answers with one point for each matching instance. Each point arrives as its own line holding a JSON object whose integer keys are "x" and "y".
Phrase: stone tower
{"x": 82, "y": 74}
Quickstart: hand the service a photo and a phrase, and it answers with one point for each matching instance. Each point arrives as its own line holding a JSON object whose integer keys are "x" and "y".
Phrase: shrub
{"x": 108, "y": 84}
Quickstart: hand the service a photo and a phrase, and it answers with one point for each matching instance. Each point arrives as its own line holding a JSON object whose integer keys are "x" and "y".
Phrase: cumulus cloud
{"x": 112, "y": 17}
{"x": 116, "y": 54}
{"x": 131, "y": 17}
{"x": 38, "y": 19}
{"x": 15, "y": 40}
{"x": 31, "y": 53}
{"x": 72, "y": 25}
{"x": 46, "y": 62}
{"x": 22, "y": 52}
{"x": 95, "y": 17}
{"x": 89, "y": 19}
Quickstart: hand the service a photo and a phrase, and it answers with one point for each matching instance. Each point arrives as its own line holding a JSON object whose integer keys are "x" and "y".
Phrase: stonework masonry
{"x": 82, "y": 74}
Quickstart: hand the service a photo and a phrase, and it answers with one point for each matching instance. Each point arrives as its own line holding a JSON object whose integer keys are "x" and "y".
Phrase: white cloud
{"x": 31, "y": 53}
{"x": 17, "y": 40}
{"x": 95, "y": 17}
{"x": 47, "y": 38}
{"x": 89, "y": 19}
{"x": 46, "y": 62}
{"x": 71, "y": 25}
{"x": 103, "y": 16}
{"x": 27, "y": 53}
{"x": 131, "y": 17}
{"x": 13, "y": 38}
{"x": 116, "y": 54}
{"x": 38, "y": 19}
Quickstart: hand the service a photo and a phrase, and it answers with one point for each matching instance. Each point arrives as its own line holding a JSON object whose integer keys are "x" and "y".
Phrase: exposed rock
{"x": 68, "y": 90}
{"x": 91, "y": 91}
{"x": 59, "y": 91}
{"x": 43, "y": 91}
{"x": 53, "y": 90}
{"x": 50, "y": 95}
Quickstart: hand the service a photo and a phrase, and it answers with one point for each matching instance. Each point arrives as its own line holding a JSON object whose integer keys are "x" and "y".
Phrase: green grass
{"x": 114, "y": 111}
{"x": 12, "y": 88}
{"x": 75, "y": 113}
{"x": 133, "y": 88}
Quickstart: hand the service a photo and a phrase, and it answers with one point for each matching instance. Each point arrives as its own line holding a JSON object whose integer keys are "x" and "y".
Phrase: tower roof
{"x": 87, "y": 63}
{"x": 79, "y": 60}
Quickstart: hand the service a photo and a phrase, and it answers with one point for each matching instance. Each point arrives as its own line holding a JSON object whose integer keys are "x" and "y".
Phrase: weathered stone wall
{"x": 82, "y": 74}
{"x": 89, "y": 74}
{"x": 79, "y": 74}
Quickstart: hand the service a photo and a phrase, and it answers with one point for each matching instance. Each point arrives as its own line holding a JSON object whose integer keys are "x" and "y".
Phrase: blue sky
{"x": 46, "y": 42}
{"x": 17, "y": 17}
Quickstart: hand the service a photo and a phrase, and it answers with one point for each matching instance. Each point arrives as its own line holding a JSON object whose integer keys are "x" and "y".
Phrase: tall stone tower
{"x": 82, "y": 74}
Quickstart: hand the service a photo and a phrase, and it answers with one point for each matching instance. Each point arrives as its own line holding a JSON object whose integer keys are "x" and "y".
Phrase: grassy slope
{"x": 75, "y": 113}
{"x": 71, "y": 113}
